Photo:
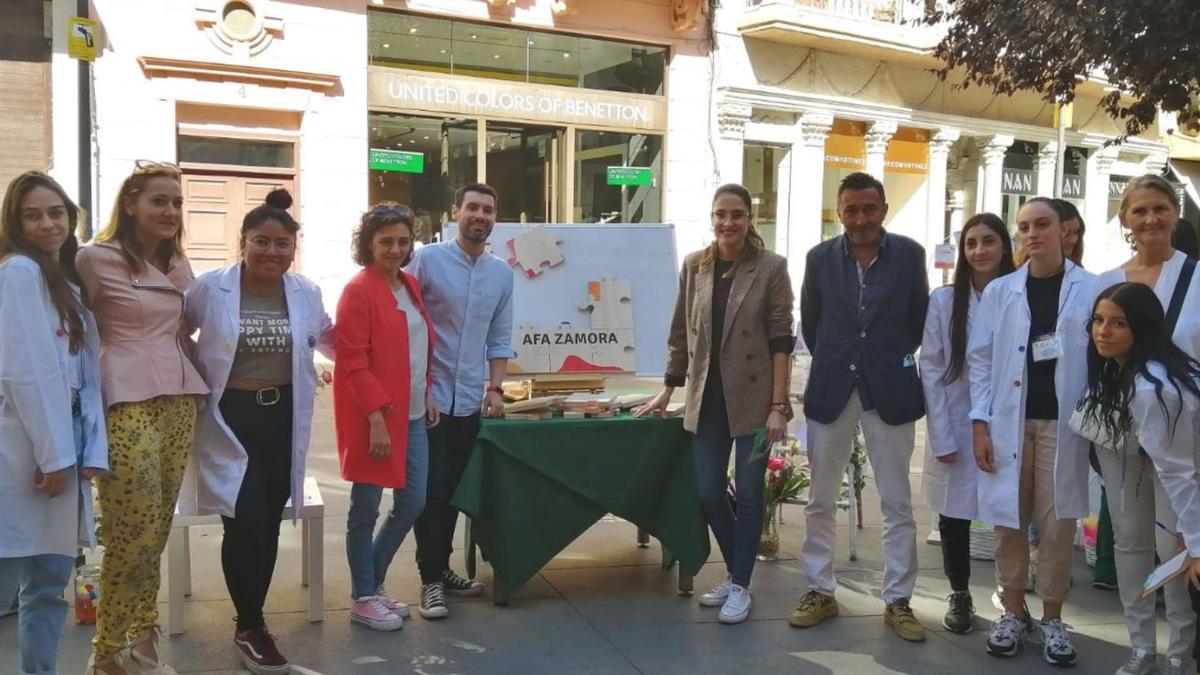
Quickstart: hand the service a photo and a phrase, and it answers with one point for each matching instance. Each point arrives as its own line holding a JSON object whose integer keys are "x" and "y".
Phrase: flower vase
{"x": 768, "y": 541}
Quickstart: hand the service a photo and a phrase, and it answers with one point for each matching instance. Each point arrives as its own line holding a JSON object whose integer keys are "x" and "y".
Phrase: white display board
{"x": 588, "y": 298}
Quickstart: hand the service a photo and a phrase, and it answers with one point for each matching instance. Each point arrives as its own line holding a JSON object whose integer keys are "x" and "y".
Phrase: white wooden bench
{"x": 312, "y": 572}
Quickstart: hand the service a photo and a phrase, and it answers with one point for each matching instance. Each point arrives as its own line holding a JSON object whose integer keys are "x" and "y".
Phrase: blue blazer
{"x": 866, "y": 339}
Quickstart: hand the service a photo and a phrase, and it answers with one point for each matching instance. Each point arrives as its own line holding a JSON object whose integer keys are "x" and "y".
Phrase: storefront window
{"x": 420, "y": 161}
{"x": 523, "y": 165}
{"x": 618, "y": 177}
{"x": 496, "y": 52}
{"x": 761, "y": 167}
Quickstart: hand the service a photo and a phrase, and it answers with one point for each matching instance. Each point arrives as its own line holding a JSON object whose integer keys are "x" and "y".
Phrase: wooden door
{"x": 213, "y": 206}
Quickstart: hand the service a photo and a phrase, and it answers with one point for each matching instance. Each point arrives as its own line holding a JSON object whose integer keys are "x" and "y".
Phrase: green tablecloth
{"x": 532, "y": 487}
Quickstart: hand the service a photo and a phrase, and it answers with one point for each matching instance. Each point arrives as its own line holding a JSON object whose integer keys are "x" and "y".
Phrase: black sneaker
{"x": 433, "y": 601}
{"x": 960, "y": 615}
{"x": 460, "y": 586}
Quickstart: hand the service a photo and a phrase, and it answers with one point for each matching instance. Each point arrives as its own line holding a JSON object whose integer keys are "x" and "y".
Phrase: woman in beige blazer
{"x": 730, "y": 343}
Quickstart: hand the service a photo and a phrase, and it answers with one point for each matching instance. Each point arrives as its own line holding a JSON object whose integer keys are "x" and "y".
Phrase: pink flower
{"x": 776, "y": 463}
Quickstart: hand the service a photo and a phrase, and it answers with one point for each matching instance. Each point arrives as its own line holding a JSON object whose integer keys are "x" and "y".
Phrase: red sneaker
{"x": 259, "y": 653}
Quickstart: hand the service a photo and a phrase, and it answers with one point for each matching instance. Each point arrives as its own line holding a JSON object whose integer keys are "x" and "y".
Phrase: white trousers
{"x": 889, "y": 449}
{"x": 1136, "y": 500}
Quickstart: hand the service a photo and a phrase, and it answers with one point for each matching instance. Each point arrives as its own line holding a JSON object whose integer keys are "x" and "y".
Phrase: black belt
{"x": 267, "y": 396}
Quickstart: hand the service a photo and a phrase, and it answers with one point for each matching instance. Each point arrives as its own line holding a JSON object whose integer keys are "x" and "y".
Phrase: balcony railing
{"x": 886, "y": 11}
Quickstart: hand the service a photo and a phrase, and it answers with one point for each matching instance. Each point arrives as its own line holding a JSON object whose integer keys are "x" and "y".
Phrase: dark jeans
{"x": 956, "y": 551}
{"x": 251, "y": 540}
{"x": 737, "y": 530}
{"x": 450, "y": 444}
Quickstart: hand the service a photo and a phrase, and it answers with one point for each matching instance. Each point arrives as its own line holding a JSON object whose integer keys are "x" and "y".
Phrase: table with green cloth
{"x": 531, "y": 487}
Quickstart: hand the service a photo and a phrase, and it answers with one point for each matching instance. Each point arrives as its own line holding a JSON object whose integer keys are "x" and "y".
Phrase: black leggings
{"x": 251, "y": 540}
{"x": 956, "y": 551}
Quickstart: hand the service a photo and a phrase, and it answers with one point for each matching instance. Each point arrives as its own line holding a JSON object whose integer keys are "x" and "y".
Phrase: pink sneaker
{"x": 372, "y": 613}
{"x": 399, "y": 608}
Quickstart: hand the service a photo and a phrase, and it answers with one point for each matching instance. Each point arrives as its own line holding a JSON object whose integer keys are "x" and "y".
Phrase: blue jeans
{"x": 737, "y": 532}
{"x": 40, "y": 580}
{"x": 370, "y": 553}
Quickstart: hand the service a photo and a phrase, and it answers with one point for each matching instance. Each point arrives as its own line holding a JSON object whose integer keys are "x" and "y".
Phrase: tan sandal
{"x": 146, "y": 663}
{"x": 109, "y": 665}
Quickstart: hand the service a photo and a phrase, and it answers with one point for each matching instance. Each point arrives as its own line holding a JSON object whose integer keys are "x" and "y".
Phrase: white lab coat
{"x": 996, "y": 359}
{"x": 949, "y": 489}
{"x": 36, "y": 427}
{"x": 1171, "y": 442}
{"x": 213, "y": 306}
{"x": 1187, "y": 329}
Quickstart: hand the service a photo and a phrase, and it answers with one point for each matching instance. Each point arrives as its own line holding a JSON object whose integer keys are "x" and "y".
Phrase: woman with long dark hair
{"x": 52, "y": 440}
{"x": 1027, "y": 372}
{"x": 984, "y": 253}
{"x": 1144, "y": 391}
{"x": 1148, "y": 213}
{"x": 734, "y": 302}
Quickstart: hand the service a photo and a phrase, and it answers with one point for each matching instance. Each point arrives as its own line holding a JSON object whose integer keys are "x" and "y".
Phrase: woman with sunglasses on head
{"x": 1149, "y": 211}
{"x": 52, "y": 440}
{"x": 260, "y": 326}
{"x": 1144, "y": 392}
{"x": 135, "y": 275}
{"x": 984, "y": 253}
{"x": 382, "y": 404}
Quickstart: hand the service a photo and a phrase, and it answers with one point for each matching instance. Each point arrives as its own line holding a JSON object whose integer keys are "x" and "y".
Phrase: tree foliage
{"x": 1148, "y": 50}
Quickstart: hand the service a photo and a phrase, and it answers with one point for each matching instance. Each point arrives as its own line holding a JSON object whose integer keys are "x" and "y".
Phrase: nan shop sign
{"x": 1024, "y": 182}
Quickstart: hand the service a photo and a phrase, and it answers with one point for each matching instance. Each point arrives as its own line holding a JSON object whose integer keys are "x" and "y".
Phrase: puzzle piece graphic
{"x": 531, "y": 355}
{"x": 610, "y": 304}
{"x": 534, "y": 249}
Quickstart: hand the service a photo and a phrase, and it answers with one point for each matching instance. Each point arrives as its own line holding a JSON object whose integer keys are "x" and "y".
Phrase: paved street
{"x": 605, "y": 606}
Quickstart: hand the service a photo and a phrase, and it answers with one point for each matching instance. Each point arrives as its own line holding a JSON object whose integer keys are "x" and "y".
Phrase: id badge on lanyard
{"x": 1047, "y": 347}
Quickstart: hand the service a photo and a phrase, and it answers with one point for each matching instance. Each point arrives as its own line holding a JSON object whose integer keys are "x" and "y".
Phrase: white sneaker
{"x": 1057, "y": 648}
{"x": 716, "y": 597}
{"x": 398, "y": 608}
{"x": 737, "y": 605}
{"x": 1141, "y": 662}
{"x": 1173, "y": 666}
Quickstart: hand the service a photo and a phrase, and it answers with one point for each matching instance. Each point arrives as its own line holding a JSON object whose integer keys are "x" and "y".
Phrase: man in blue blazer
{"x": 862, "y": 309}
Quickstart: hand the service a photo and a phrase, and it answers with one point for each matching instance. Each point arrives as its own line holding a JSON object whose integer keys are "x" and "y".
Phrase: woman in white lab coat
{"x": 1148, "y": 213}
{"x": 1027, "y": 370}
{"x": 52, "y": 438}
{"x": 1143, "y": 391}
{"x": 260, "y": 326}
{"x": 985, "y": 252}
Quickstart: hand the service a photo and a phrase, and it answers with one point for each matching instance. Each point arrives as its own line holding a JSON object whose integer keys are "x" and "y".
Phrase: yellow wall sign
{"x": 81, "y": 38}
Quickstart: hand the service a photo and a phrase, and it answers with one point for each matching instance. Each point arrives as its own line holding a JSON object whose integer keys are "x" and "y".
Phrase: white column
{"x": 878, "y": 137}
{"x": 1046, "y": 161}
{"x": 1104, "y": 246}
{"x": 64, "y": 109}
{"x": 991, "y": 174}
{"x": 806, "y": 191}
{"x": 935, "y": 195}
{"x": 783, "y": 202}
{"x": 731, "y": 123}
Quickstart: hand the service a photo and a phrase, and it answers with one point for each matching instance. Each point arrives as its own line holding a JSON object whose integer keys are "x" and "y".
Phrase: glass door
{"x": 524, "y": 165}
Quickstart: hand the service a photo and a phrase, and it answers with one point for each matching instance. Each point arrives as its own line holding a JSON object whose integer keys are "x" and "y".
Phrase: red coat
{"x": 371, "y": 371}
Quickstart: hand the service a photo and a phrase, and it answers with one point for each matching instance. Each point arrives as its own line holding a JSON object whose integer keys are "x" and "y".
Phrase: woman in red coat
{"x": 382, "y": 406}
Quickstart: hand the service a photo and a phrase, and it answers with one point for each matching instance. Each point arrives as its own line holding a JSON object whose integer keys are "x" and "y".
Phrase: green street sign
{"x": 629, "y": 175}
{"x": 397, "y": 160}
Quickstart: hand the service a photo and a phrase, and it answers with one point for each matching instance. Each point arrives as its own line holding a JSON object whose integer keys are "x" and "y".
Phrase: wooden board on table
{"x": 532, "y": 404}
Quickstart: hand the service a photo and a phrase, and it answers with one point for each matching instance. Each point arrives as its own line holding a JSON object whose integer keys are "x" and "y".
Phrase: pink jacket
{"x": 143, "y": 353}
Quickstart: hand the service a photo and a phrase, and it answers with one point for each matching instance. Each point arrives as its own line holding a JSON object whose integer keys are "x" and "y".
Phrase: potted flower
{"x": 786, "y": 478}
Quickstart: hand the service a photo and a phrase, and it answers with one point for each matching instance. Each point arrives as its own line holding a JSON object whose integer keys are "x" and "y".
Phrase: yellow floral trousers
{"x": 148, "y": 447}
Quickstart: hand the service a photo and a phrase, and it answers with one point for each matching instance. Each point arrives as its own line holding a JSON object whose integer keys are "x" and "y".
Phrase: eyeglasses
{"x": 263, "y": 245}
{"x": 734, "y": 216}
{"x": 149, "y": 166}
